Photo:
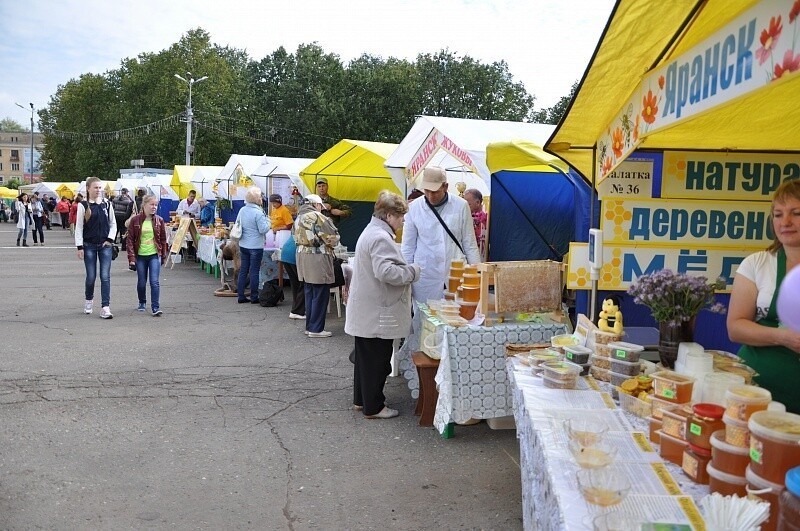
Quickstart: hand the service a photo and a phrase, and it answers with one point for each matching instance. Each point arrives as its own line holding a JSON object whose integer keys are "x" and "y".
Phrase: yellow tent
{"x": 8, "y": 193}
{"x": 354, "y": 169}
{"x": 67, "y": 190}
{"x": 686, "y": 74}
{"x": 521, "y": 155}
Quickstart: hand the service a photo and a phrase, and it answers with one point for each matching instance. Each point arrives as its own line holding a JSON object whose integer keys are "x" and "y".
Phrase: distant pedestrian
{"x": 24, "y": 220}
{"x": 255, "y": 224}
{"x": 122, "y": 203}
{"x": 95, "y": 230}
{"x": 147, "y": 252}
{"x": 62, "y": 208}
{"x": 289, "y": 261}
{"x": 37, "y": 211}
{"x": 73, "y": 213}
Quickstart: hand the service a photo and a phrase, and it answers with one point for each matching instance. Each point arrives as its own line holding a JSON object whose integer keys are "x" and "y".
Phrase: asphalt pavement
{"x": 216, "y": 415}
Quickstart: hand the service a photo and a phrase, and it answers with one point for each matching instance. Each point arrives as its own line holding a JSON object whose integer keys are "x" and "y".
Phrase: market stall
{"x": 356, "y": 174}
{"x": 197, "y": 178}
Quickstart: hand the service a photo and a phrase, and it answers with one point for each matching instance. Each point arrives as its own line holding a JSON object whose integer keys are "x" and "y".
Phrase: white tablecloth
{"x": 472, "y": 378}
{"x": 550, "y": 499}
{"x": 207, "y": 249}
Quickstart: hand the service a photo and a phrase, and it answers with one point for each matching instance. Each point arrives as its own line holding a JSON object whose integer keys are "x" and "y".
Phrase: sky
{"x": 547, "y": 44}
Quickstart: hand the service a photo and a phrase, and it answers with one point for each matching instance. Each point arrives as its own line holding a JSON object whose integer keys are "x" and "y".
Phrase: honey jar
{"x": 704, "y": 421}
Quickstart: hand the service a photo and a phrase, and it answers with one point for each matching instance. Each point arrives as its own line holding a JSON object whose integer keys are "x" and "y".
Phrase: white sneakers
{"x": 87, "y": 307}
{"x": 324, "y": 333}
{"x": 296, "y": 316}
{"x": 106, "y": 313}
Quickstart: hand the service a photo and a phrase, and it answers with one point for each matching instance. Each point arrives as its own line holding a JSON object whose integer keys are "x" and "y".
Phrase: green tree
{"x": 10, "y": 125}
{"x": 553, "y": 115}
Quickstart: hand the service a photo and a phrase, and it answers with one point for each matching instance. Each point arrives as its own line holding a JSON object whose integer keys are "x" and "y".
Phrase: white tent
{"x": 459, "y": 146}
{"x": 268, "y": 175}
{"x": 159, "y": 185}
{"x": 131, "y": 184}
{"x": 48, "y": 188}
{"x": 203, "y": 181}
{"x": 234, "y": 178}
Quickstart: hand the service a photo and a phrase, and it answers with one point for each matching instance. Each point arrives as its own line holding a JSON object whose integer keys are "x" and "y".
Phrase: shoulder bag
{"x": 446, "y": 228}
{"x": 236, "y": 230}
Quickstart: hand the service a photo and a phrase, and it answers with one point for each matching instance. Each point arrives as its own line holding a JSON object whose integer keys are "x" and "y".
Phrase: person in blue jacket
{"x": 206, "y": 213}
{"x": 255, "y": 225}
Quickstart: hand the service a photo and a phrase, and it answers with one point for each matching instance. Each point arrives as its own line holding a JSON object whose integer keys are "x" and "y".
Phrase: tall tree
{"x": 553, "y": 115}
{"x": 10, "y": 125}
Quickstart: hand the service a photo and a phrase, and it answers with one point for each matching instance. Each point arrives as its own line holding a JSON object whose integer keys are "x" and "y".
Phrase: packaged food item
{"x": 789, "y": 518}
{"x": 671, "y": 448}
{"x": 671, "y": 386}
{"x": 617, "y": 379}
{"x": 725, "y": 484}
{"x": 629, "y": 368}
{"x": 560, "y": 341}
{"x": 740, "y": 369}
{"x": 602, "y": 351}
{"x": 736, "y": 432}
{"x": 705, "y": 420}
{"x": 471, "y": 280}
{"x": 632, "y": 404}
{"x": 453, "y": 283}
{"x": 774, "y": 444}
{"x": 625, "y": 351}
{"x": 655, "y": 425}
{"x": 743, "y": 400}
{"x": 727, "y": 458}
{"x": 760, "y": 489}
{"x": 603, "y": 375}
{"x": 577, "y": 354}
{"x": 561, "y": 370}
{"x": 601, "y": 362}
{"x": 659, "y": 406}
{"x": 604, "y": 338}
{"x": 558, "y": 383}
{"x": 695, "y": 463}
{"x": 674, "y": 420}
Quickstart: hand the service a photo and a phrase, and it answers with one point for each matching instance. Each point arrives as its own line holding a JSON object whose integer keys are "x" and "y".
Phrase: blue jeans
{"x": 92, "y": 253}
{"x": 23, "y": 233}
{"x": 250, "y": 267}
{"x": 317, "y": 298}
{"x": 148, "y": 266}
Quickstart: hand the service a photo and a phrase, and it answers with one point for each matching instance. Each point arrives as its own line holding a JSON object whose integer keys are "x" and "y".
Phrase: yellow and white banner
{"x": 687, "y": 223}
{"x": 625, "y": 263}
{"x": 749, "y": 52}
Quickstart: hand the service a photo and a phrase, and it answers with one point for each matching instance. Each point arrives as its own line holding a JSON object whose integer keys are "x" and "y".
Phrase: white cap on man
{"x": 314, "y": 199}
{"x": 433, "y": 178}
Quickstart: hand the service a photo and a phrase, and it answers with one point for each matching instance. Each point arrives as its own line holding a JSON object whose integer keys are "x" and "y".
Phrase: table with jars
{"x": 586, "y": 460}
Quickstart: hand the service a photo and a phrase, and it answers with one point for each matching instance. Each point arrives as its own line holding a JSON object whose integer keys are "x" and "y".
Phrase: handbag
{"x": 236, "y": 230}
{"x": 114, "y": 251}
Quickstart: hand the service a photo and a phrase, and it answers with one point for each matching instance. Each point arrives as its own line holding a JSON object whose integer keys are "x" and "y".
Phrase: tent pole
{"x": 593, "y": 296}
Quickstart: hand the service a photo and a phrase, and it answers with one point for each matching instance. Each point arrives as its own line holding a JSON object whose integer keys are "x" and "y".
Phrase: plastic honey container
{"x": 705, "y": 420}
{"x": 774, "y": 444}
{"x": 725, "y": 484}
{"x": 471, "y": 293}
{"x": 577, "y": 354}
{"x": 789, "y": 518}
{"x": 695, "y": 463}
{"x": 763, "y": 490}
{"x": 736, "y": 432}
{"x": 659, "y": 406}
{"x": 671, "y": 449}
{"x": 671, "y": 386}
{"x": 453, "y": 283}
{"x": 472, "y": 280}
{"x": 674, "y": 419}
{"x": 625, "y": 351}
{"x": 742, "y": 401}
{"x": 727, "y": 458}
{"x": 655, "y": 426}
{"x": 470, "y": 269}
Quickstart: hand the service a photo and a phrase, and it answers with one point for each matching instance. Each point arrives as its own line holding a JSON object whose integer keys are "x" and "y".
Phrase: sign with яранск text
{"x": 433, "y": 143}
{"x": 623, "y": 264}
{"x": 632, "y": 178}
{"x": 747, "y": 176}
{"x": 692, "y": 223}
{"x": 743, "y": 56}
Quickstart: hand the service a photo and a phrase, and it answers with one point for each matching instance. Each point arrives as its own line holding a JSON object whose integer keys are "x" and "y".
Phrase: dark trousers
{"x": 298, "y": 290}
{"x": 37, "y": 228}
{"x": 249, "y": 270}
{"x": 64, "y": 220}
{"x": 373, "y": 365}
{"x": 317, "y": 298}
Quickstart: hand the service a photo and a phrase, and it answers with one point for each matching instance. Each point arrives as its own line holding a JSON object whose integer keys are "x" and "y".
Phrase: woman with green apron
{"x": 769, "y": 348}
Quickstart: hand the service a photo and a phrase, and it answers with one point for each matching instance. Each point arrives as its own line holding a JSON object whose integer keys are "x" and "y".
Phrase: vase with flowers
{"x": 675, "y": 299}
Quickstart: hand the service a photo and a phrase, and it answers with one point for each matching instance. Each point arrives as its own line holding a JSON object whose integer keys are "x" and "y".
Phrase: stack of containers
{"x": 469, "y": 292}
{"x": 705, "y": 420}
{"x": 671, "y": 389}
{"x": 454, "y": 279}
{"x": 774, "y": 450}
{"x": 580, "y": 356}
{"x": 601, "y": 362}
{"x": 624, "y": 361}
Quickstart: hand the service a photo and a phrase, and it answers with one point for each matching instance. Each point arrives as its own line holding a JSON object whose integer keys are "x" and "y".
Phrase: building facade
{"x": 15, "y": 157}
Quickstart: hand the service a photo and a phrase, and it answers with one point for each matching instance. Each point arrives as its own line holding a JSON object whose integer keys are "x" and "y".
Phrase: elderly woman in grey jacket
{"x": 379, "y": 306}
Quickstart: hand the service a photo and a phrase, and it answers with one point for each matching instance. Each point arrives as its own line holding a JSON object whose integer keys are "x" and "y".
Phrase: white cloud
{"x": 547, "y": 44}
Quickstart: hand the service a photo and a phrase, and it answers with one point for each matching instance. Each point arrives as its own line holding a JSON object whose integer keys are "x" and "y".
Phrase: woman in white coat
{"x": 379, "y": 306}
{"x": 24, "y": 220}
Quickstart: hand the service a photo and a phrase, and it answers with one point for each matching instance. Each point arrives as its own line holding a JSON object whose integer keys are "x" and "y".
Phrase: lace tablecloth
{"x": 472, "y": 378}
{"x": 550, "y": 499}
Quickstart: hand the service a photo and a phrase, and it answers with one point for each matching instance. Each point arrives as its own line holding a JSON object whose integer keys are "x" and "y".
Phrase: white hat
{"x": 314, "y": 199}
{"x": 433, "y": 178}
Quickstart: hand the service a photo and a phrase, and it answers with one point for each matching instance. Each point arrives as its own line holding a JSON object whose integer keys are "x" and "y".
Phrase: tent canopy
{"x": 233, "y": 180}
{"x": 759, "y": 120}
{"x": 67, "y": 190}
{"x": 283, "y": 167}
{"x": 459, "y": 146}
{"x": 44, "y": 187}
{"x": 538, "y": 206}
{"x": 183, "y": 180}
{"x": 8, "y": 193}
{"x": 354, "y": 169}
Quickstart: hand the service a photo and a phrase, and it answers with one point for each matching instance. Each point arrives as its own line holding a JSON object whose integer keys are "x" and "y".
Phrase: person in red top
{"x": 62, "y": 207}
{"x": 73, "y": 213}
{"x": 474, "y": 199}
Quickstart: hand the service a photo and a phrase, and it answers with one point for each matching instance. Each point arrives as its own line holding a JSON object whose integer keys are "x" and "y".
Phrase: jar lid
{"x": 702, "y": 452}
{"x": 710, "y": 411}
{"x": 793, "y": 480}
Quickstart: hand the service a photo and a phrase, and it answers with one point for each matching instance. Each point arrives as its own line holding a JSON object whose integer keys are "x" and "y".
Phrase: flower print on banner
{"x": 636, "y": 128}
{"x": 616, "y": 142}
{"x": 791, "y": 63}
{"x": 794, "y": 12}
{"x": 769, "y": 39}
{"x": 649, "y": 107}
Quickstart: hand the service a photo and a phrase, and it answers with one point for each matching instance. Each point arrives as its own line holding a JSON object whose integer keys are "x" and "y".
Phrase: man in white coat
{"x": 427, "y": 243}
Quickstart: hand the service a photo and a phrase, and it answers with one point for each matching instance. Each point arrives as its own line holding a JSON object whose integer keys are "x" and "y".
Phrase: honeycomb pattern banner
{"x": 616, "y": 220}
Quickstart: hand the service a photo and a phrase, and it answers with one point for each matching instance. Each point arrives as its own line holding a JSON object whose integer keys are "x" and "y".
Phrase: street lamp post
{"x": 31, "y": 166}
{"x": 189, "y": 114}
